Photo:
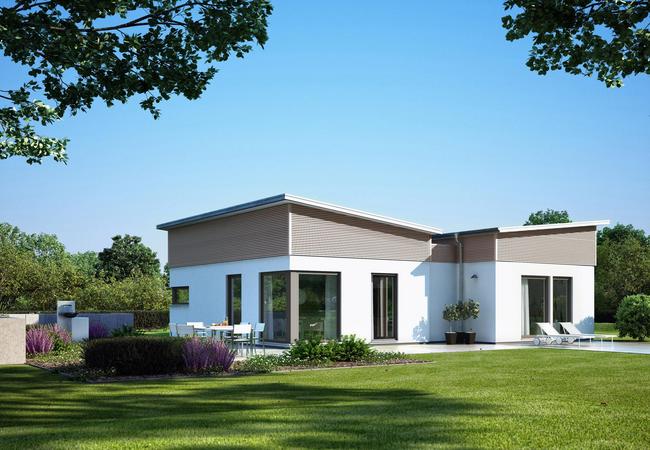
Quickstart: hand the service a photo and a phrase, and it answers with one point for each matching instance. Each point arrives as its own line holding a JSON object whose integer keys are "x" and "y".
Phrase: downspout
{"x": 460, "y": 270}
{"x": 460, "y": 274}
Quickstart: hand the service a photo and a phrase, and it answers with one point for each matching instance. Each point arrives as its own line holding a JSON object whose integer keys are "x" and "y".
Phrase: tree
{"x": 127, "y": 257}
{"x": 113, "y": 50}
{"x": 606, "y": 38}
{"x": 549, "y": 216}
{"x": 86, "y": 263}
{"x": 623, "y": 268}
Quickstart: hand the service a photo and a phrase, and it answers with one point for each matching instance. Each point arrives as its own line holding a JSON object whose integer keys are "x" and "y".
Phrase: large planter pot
{"x": 450, "y": 337}
{"x": 460, "y": 337}
{"x": 470, "y": 337}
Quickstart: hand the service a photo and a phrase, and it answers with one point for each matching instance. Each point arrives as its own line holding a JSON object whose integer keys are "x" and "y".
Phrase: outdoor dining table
{"x": 213, "y": 329}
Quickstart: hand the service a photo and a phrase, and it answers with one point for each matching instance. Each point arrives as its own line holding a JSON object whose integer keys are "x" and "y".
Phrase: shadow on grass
{"x": 40, "y": 410}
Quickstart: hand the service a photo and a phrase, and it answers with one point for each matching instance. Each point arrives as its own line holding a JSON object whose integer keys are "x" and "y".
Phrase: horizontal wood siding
{"x": 321, "y": 233}
{"x": 444, "y": 250}
{"x": 576, "y": 246}
{"x": 476, "y": 248}
{"x": 256, "y": 234}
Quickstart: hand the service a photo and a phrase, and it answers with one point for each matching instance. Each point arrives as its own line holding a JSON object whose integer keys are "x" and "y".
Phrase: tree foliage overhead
{"x": 606, "y": 38}
{"x": 83, "y": 50}
{"x": 549, "y": 216}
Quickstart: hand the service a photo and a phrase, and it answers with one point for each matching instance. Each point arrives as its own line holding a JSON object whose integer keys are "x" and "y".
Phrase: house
{"x": 311, "y": 269}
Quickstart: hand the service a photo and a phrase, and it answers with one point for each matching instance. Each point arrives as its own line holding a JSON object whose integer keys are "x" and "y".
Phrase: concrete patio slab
{"x": 642, "y": 348}
{"x": 416, "y": 349}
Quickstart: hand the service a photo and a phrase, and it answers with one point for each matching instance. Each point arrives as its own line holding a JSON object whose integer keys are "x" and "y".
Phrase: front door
{"x": 384, "y": 305}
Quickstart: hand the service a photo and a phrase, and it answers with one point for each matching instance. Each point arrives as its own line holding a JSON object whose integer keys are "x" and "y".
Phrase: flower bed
{"x": 137, "y": 357}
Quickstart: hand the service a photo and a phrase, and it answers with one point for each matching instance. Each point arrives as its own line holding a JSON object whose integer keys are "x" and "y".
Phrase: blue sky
{"x": 420, "y": 110}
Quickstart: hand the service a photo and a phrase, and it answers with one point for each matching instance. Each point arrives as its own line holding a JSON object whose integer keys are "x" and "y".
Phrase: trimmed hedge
{"x": 150, "y": 319}
{"x": 141, "y": 355}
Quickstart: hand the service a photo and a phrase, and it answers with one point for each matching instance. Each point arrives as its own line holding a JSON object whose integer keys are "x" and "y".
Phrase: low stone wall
{"x": 12, "y": 340}
{"x": 110, "y": 321}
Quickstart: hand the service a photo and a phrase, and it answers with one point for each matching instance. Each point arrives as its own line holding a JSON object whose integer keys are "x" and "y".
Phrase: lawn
{"x": 610, "y": 328}
{"x": 511, "y": 398}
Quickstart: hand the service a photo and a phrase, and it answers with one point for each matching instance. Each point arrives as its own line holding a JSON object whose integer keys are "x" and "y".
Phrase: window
{"x": 534, "y": 304}
{"x": 562, "y": 300}
{"x": 318, "y": 306}
{"x": 233, "y": 303}
{"x": 180, "y": 295}
{"x": 275, "y": 306}
{"x": 384, "y": 306}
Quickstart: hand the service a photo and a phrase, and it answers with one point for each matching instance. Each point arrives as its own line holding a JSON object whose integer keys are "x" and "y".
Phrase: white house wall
{"x": 482, "y": 288}
{"x": 443, "y": 288}
{"x": 208, "y": 288}
{"x": 508, "y": 295}
{"x": 413, "y": 288}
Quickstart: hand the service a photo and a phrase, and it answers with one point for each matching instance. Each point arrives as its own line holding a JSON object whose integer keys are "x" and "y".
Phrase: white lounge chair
{"x": 551, "y": 335}
{"x": 572, "y": 329}
{"x": 172, "y": 330}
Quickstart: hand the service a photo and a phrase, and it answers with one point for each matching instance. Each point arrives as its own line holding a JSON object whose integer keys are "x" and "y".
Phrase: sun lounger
{"x": 573, "y": 330}
{"x": 552, "y": 336}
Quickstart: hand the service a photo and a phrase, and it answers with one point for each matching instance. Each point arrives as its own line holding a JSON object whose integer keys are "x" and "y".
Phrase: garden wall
{"x": 12, "y": 337}
{"x": 110, "y": 320}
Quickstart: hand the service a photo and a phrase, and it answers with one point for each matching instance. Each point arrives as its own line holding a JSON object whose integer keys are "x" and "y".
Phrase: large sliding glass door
{"x": 534, "y": 304}
{"x": 384, "y": 306}
{"x": 562, "y": 300}
{"x": 318, "y": 305}
{"x": 275, "y": 306}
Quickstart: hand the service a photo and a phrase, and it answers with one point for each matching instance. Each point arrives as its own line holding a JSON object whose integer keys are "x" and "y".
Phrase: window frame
{"x": 395, "y": 306}
{"x": 229, "y": 298}
{"x": 175, "y": 295}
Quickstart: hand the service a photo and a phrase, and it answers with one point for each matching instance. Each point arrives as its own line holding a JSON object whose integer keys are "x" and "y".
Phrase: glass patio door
{"x": 534, "y": 304}
{"x": 384, "y": 305}
{"x": 318, "y": 304}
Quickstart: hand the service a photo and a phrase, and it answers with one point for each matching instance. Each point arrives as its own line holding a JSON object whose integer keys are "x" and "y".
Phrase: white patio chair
{"x": 241, "y": 336}
{"x": 551, "y": 335}
{"x": 257, "y": 336}
{"x": 199, "y": 328}
{"x": 185, "y": 330}
{"x": 572, "y": 329}
{"x": 172, "y": 330}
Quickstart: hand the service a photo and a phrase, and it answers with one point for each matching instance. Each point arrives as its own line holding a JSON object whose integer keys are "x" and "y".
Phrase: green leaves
{"x": 603, "y": 38}
{"x": 114, "y": 50}
{"x": 549, "y": 216}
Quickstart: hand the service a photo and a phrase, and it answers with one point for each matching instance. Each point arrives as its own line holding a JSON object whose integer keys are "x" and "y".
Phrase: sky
{"x": 418, "y": 110}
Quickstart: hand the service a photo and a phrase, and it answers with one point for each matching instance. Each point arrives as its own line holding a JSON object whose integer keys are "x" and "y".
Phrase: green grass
{"x": 156, "y": 332}
{"x": 610, "y": 328}
{"x": 511, "y": 398}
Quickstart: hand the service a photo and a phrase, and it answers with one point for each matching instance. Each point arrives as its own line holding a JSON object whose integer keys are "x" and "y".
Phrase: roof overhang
{"x": 516, "y": 229}
{"x": 553, "y": 226}
{"x": 284, "y": 199}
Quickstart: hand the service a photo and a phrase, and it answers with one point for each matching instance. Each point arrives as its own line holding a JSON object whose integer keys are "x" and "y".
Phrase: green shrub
{"x": 310, "y": 350}
{"x": 141, "y": 355}
{"x": 150, "y": 319}
{"x": 633, "y": 317}
{"x": 350, "y": 348}
{"x": 263, "y": 363}
{"x": 125, "y": 330}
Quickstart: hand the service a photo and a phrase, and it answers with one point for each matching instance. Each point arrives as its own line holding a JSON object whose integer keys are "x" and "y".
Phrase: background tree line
{"x": 623, "y": 268}
{"x": 36, "y": 271}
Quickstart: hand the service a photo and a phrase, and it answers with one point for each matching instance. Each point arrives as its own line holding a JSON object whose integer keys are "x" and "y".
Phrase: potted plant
{"x": 470, "y": 310}
{"x": 450, "y": 314}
